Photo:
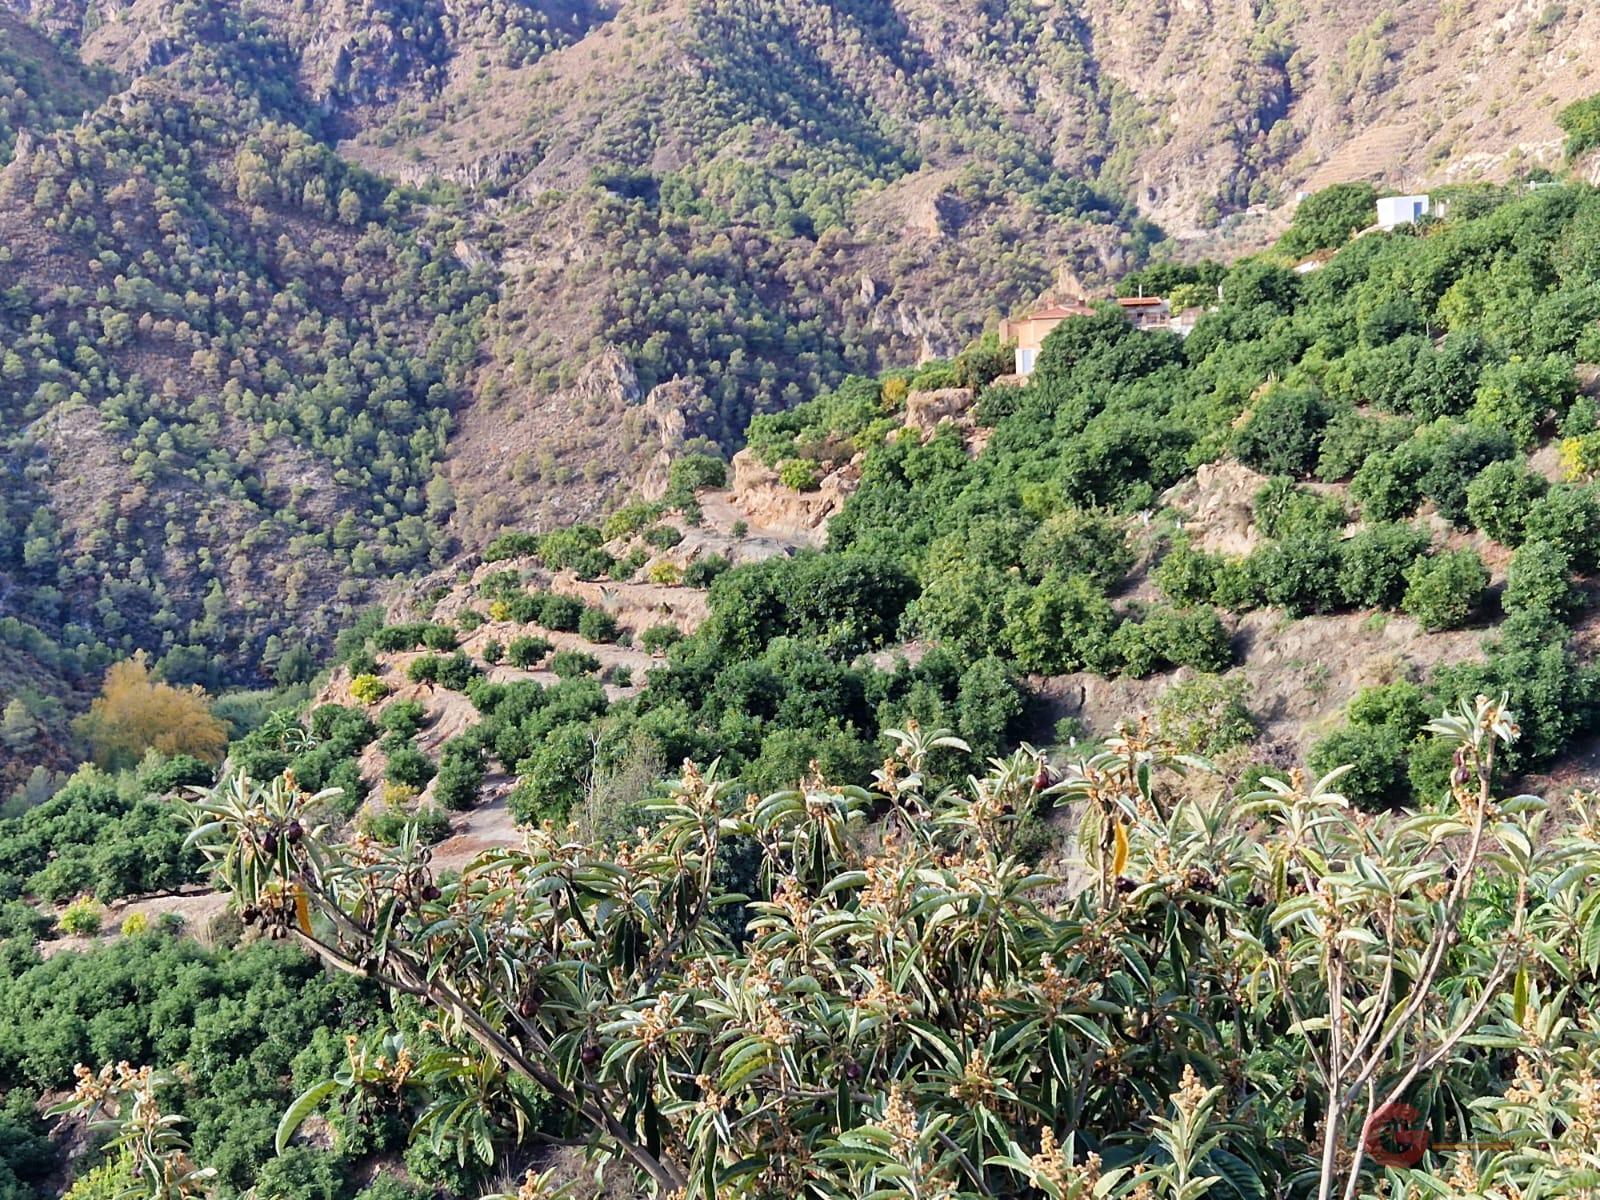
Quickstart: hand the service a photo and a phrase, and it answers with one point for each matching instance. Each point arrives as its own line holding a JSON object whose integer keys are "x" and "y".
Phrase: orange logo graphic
{"x": 1395, "y": 1136}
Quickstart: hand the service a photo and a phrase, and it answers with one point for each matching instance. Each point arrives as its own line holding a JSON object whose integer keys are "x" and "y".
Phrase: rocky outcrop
{"x": 1215, "y": 503}
{"x": 758, "y": 491}
{"x": 926, "y": 411}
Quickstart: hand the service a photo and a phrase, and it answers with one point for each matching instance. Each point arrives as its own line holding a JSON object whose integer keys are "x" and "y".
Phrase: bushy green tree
{"x": 1374, "y": 563}
{"x": 1283, "y": 433}
{"x": 1539, "y": 580}
{"x": 1326, "y": 220}
{"x": 1500, "y": 498}
{"x": 1447, "y": 590}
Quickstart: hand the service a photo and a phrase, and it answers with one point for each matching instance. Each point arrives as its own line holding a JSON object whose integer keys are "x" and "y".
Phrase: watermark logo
{"x": 1395, "y": 1136}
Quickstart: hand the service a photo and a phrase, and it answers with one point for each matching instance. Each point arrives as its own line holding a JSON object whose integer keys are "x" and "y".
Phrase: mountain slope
{"x": 251, "y": 379}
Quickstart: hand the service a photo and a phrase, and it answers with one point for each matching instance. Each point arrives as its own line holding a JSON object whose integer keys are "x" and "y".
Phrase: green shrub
{"x": 1282, "y": 507}
{"x": 658, "y": 639}
{"x": 569, "y": 664}
{"x": 439, "y": 637}
{"x": 1077, "y": 541}
{"x": 597, "y": 625}
{"x": 799, "y": 475}
{"x": 511, "y": 545}
{"x": 82, "y": 918}
{"x": 1063, "y": 624}
{"x": 1168, "y": 637}
{"x": 561, "y": 613}
{"x": 1283, "y": 433}
{"x": 1372, "y": 571}
{"x": 1539, "y": 580}
{"x": 461, "y": 773}
{"x": 1580, "y": 121}
{"x": 663, "y": 537}
{"x": 1206, "y": 715}
{"x": 1299, "y": 573}
{"x": 1500, "y": 498}
{"x": 457, "y": 671}
{"x": 1186, "y": 575}
{"x": 703, "y": 572}
{"x": 403, "y": 719}
{"x": 692, "y": 472}
{"x": 389, "y": 824}
{"x": 1518, "y": 395}
{"x": 571, "y": 548}
{"x": 1325, "y": 220}
{"x": 1385, "y": 723}
{"x": 629, "y": 520}
{"x": 527, "y": 650}
{"x": 1568, "y": 517}
{"x": 409, "y": 767}
{"x": 493, "y": 651}
{"x": 1349, "y": 439}
{"x": 1446, "y": 591}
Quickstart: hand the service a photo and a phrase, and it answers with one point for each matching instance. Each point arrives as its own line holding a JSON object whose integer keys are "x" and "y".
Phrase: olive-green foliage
{"x": 1064, "y": 624}
{"x": 569, "y": 663}
{"x": 1167, "y": 637}
{"x": 702, "y": 572}
{"x": 561, "y": 613}
{"x": 597, "y": 625}
{"x": 1437, "y": 463}
{"x": 112, "y": 836}
{"x": 265, "y": 1011}
{"x": 1076, "y": 541}
{"x": 692, "y": 472}
{"x": 403, "y": 719}
{"x": 659, "y": 638}
{"x": 1539, "y": 580}
{"x": 845, "y": 603}
{"x": 1283, "y": 434}
{"x": 461, "y": 772}
{"x": 1326, "y": 219}
{"x": 1299, "y": 573}
{"x": 1518, "y": 395}
{"x": 527, "y": 650}
{"x": 1206, "y": 715}
{"x": 410, "y": 767}
{"x": 1500, "y": 498}
{"x": 1445, "y": 591}
{"x": 1282, "y": 507}
{"x": 1373, "y": 566}
{"x": 1385, "y": 724}
{"x": 1580, "y": 121}
{"x": 1568, "y": 517}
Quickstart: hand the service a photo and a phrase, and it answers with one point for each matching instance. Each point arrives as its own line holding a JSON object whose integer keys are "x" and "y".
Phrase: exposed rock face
{"x": 758, "y": 491}
{"x": 672, "y": 411}
{"x": 607, "y": 377}
{"x": 1216, "y": 507}
{"x": 925, "y": 410}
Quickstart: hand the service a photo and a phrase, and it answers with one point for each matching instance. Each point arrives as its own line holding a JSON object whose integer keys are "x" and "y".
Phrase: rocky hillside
{"x": 300, "y": 298}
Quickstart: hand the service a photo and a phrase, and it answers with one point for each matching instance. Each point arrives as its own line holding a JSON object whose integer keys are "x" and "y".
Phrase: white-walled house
{"x": 1394, "y": 211}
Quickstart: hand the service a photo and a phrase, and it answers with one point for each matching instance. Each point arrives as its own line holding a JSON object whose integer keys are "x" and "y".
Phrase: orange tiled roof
{"x": 1059, "y": 311}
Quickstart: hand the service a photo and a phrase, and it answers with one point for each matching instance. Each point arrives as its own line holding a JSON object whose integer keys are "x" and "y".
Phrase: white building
{"x": 1394, "y": 211}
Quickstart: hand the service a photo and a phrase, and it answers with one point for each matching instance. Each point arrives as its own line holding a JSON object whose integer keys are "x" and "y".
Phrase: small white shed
{"x": 1402, "y": 210}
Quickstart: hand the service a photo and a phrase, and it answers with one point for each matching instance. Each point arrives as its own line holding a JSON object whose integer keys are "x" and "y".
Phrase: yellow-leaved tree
{"x": 135, "y": 713}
